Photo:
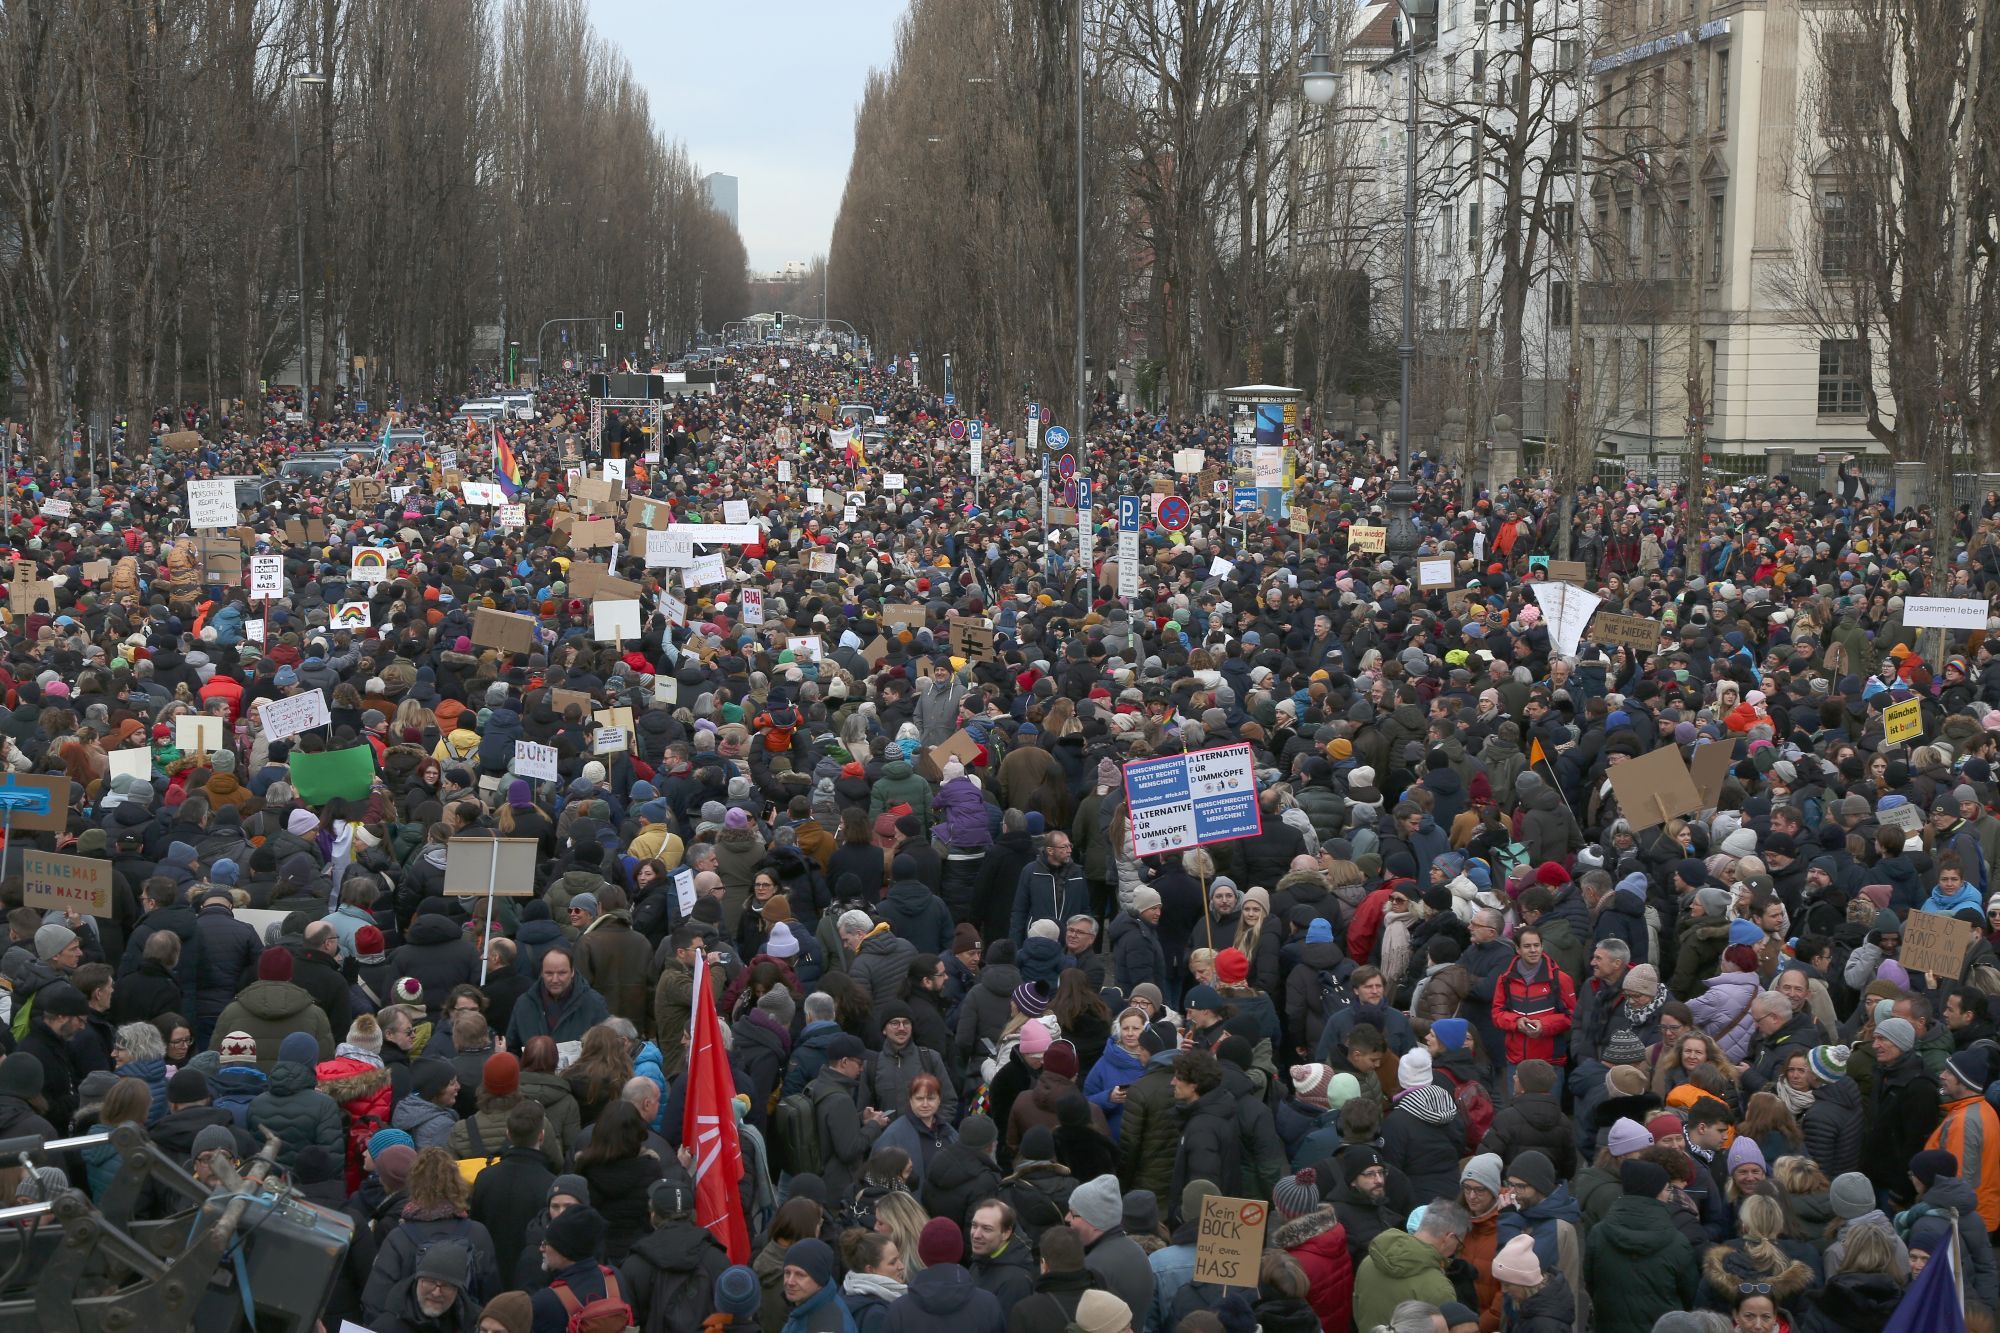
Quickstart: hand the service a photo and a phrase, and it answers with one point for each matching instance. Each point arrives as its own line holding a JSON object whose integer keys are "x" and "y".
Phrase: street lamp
{"x": 303, "y": 81}
{"x": 1417, "y": 17}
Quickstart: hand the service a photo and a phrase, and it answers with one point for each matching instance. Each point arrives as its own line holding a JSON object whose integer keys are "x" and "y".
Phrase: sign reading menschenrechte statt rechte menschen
{"x": 1186, "y": 800}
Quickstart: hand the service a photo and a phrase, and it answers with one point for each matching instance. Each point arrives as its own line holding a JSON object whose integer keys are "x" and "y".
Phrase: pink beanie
{"x": 1035, "y": 1037}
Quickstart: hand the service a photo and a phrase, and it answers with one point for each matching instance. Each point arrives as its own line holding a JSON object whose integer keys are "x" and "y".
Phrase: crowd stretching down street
{"x": 839, "y": 967}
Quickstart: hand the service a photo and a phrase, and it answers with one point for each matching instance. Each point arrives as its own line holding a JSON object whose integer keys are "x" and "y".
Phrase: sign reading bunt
{"x": 53, "y": 882}
{"x": 1188, "y": 800}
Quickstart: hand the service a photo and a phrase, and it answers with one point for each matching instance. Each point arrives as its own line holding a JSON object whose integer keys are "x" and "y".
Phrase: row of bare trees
{"x": 455, "y": 174}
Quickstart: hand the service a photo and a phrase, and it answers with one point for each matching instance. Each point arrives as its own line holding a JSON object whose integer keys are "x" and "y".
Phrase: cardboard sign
{"x": 904, "y": 615}
{"x": 1903, "y": 722}
{"x": 53, "y": 882}
{"x": 535, "y": 761}
{"x": 308, "y": 530}
{"x": 284, "y": 718}
{"x": 182, "y": 441}
{"x": 369, "y": 564}
{"x": 560, "y": 701}
{"x": 1654, "y": 788}
{"x": 1933, "y": 942}
{"x": 504, "y": 630}
{"x": 1230, "y": 1245}
{"x": 1300, "y": 522}
{"x": 504, "y": 867}
{"x": 972, "y": 640}
{"x": 806, "y": 648}
{"x": 1459, "y": 600}
{"x": 959, "y": 745}
{"x": 587, "y": 534}
{"x": 1710, "y": 770}
{"x": 1906, "y": 817}
{"x": 666, "y": 690}
{"x": 619, "y": 716}
{"x": 198, "y": 733}
{"x": 1365, "y": 538}
{"x": 704, "y": 570}
{"x": 1434, "y": 573}
{"x": 96, "y": 571}
{"x": 1635, "y": 632}
{"x": 666, "y": 549}
{"x": 1568, "y": 571}
{"x": 41, "y": 803}
{"x": 823, "y": 562}
{"x": 735, "y": 511}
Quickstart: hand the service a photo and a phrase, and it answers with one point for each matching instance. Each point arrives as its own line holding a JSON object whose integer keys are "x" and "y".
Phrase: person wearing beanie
{"x": 1903, "y": 1108}
{"x": 736, "y": 1296}
{"x": 675, "y": 1262}
{"x": 514, "y": 1312}
{"x": 1137, "y": 956}
{"x": 190, "y": 1111}
{"x": 58, "y": 946}
{"x": 572, "y": 1250}
{"x": 1853, "y": 1197}
{"x": 1097, "y": 1215}
{"x": 959, "y": 1176}
{"x": 292, "y": 1106}
{"x": 1702, "y": 939}
{"x": 943, "y": 1291}
{"x": 1969, "y": 1131}
{"x": 1637, "y": 1265}
{"x": 271, "y": 1008}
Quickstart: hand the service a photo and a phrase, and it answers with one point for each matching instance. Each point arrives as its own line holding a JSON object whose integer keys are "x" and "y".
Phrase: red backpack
{"x": 1474, "y": 1105}
{"x": 607, "y": 1314}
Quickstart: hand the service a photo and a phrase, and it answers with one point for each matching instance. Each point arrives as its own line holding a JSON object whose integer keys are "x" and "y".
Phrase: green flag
{"x": 319, "y": 778}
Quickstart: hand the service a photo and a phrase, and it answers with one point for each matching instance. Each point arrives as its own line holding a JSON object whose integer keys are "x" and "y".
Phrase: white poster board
{"x": 535, "y": 761}
{"x": 614, "y": 619}
{"x": 267, "y": 576}
{"x": 1944, "y": 613}
{"x": 285, "y": 718}
{"x": 211, "y": 504}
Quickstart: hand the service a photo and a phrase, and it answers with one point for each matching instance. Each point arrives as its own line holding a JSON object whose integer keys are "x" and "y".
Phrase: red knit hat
{"x": 940, "y": 1242}
{"x": 501, "y": 1075}
{"x": 1231, "y": 967}
{"x": 274, "y": 964}
{"x": 369, "y": 944}
{"x": 1551, "y": 874}
{"x": 1663, "y": 1124}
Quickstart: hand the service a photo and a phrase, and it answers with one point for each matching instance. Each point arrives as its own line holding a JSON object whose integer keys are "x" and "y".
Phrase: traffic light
{"x": 618, "y": 320}
{"x": 780, "y": 318}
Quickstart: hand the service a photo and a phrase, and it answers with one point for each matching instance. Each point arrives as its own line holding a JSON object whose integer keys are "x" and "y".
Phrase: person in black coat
{"x": 999, "y": 872}
{"x": 164, "y": 911}
{"x": 963, "y": 1174}
{"x": 437, "y": 954}
{"x": 512, "y": 1192}
{"x": 316, "y": 971}
{"x": 1137, "y": 956}
{"x": 1424, "y": 1137}
{"x": 226, "y": 953}
{"x": 144, "y": 995}
{"x": 1211, "y": 1146}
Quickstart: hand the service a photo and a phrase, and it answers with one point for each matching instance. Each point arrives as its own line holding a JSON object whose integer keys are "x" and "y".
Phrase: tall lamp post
{"x": 1320, "y": 87}
{"x": 302, "y": 82}
{"x": 1082, "y": 386}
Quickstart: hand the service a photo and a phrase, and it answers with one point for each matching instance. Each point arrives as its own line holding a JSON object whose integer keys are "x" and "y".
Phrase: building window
{"x": 1509, "y": 14}
{"x": 1479, "y": 67}
{"x": 1566, "y": 50}
{"x": 1562, "y": 217}
{"x": 1839, "y": 230}
{"x": 1718, "y": 215}
{"x": 1721, "y": 91}
{"x": 1444, "y": 302}
{"x": 1840, "y": 378}
{"x": 1708, "y": 385}
{"x": 1479, "y": 11}
{"x": 1558, "y": 302}
{"x": 1472, "y": 228}
{"x": 1562, "y": 146}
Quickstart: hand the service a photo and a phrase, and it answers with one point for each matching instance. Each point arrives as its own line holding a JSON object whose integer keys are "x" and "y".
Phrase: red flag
{"x": 708, "y": 1127}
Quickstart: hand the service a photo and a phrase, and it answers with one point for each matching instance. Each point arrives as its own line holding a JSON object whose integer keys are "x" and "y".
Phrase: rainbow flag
{"x": 505, "y": 466}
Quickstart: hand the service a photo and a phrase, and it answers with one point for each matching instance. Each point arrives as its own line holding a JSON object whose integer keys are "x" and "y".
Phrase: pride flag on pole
{"x": 708, "y": 1126}
{"x": 505, "y": 466}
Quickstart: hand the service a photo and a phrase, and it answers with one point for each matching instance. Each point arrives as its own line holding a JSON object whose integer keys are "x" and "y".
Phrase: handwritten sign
{"x": 535, "y": 761}
{"x": 1229, "y": 1248}
{"x": 1634, "y": 632}
{"x": 1366, "y": 538}
{"x": 53, "y": 882}
{"x": 1434, "y": 573}
{"x": 1934, "y": 942}
{"x": 267, "y": 576}
{"x": 211, "y": 504}
{"x": 288, "y": 717}
{"x": 752, "y": 600}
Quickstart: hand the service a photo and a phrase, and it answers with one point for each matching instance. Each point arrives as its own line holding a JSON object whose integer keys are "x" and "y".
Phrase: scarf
{"x": 1795, "y": 1101}
{"x": 873, "y": 1284}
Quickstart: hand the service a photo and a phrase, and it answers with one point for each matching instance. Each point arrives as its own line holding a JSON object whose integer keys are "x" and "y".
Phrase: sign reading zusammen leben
{"x": 51, "y": 881}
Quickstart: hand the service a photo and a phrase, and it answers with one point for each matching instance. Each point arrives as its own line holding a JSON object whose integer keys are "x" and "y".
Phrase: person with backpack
{"x": 828, "y": 1127}
{"x": 434, "y": 1214}
{"x": 672, "y": 1271}
{"x": 583, "y": 1295}
{"x": 433, "y": 1299}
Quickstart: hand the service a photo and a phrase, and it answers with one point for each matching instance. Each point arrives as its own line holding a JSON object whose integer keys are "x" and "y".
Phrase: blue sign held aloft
{"x": 1181, "y": 801}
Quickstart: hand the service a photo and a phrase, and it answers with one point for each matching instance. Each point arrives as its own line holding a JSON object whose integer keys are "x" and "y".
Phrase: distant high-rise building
{"x": 722, "y": 196}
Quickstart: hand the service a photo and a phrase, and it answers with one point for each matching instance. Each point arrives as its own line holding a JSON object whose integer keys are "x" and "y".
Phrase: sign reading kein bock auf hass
{"x": 1187, "y": 800}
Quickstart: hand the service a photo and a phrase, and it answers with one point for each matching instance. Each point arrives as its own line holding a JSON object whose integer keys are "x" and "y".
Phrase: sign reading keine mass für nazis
{"x": 1188, "y": 800}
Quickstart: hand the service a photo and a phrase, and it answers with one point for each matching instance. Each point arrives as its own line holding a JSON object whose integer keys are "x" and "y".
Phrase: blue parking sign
{"x": 1083, "y": 492}
{"x": 1246, "y": 499}
{"x": 1129, "y": 513}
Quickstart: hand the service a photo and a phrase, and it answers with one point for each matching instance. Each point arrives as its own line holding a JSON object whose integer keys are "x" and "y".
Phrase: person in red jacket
{"x": 1311, "y": 1232}
{"x": 1533, "y": 1003}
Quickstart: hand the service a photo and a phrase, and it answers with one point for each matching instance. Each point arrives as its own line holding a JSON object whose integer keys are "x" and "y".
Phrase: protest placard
{"x": 735, "y": 511}
{"x": 508, "y": 632}
{"x": 284, "y": 718}
{"x": 134, "y": 761}
{"x": 1654, "y": 787}
{"x": 267, "y": 576}
{"x": 535, "y": 761}
{"x": 54, "y": 882}
{"x": 1181, "y": 801}
{"x": 1367, "y": 539}
{"x": 972, "y": 640}
{"x": 1634, "y": 632}
{"x": 1229, "y": 1245}
{"x": 609, "y": 740}
{"x": 211, "y": 503}
{"x": 614, "y": 621}
{"x": 1936, "y": 943}
{"x": 503, "y": 867}
{"x": 1710, "y": 770}
{"x": 352, "y": 616}
{"x": 752, "y": 602}
{"x": 588, "y": 534}
{"x": 197, "y": 733}
{"x": 1903, "y": 722}
{"x": 702, "y": 571}
{"x": 1434, "y": 573}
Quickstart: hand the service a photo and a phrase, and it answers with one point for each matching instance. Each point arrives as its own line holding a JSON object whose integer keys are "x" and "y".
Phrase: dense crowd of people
{"x": 1489, "y": 1051}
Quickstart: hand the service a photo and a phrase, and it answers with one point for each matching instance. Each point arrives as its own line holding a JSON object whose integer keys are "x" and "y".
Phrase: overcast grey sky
{"x": 764, "y": 90}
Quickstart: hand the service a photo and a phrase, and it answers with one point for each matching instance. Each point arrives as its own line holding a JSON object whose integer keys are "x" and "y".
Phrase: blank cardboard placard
{"x": 618, "y": 716}
{"x": 1936, "y": 943}
{"x": 560, "y": 700}
{"x": 508, "y": 632}
{"x": 1654, "y": 788}
{"x": 54, "y": 882}
{"x": 1710, "y": 770}
{"x": 507, "y": 865}
{"x": 911, "y": 615}
{"x": 588, "y": 534}
{"x": 614, "y": 621}
{"x": 96, "y": 571}
{"x": 959, "y": 745}
{"x": 1568, "y": 571}
{"x": 197, "y": 733}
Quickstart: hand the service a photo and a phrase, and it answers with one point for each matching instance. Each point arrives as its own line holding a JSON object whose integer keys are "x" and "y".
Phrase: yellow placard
{"x": 1362, "y": 537}
{"x": 1903, "y": 722}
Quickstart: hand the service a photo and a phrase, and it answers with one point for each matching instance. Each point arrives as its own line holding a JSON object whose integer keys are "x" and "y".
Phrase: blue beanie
{"x": 1320, "y": 931}
{"x": 1745, "y": 932}
{"x": 1451, "y": 1032}
{"x": 382, "y": 1139}
{"x": 224, "y": 871}
{"x": 1036, "y": 824}
{"x": 302, "y": 1048}
{"x": 814, "y": 1258}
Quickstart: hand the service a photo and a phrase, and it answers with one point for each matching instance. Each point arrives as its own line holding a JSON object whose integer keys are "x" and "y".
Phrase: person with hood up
{"x": 1637, "y": 1264}
{"x": 913, "y": 912}
{"x": 271, "y": 1008}
{"x": 1543, "y": 823}
{"x": 436, "y": 952}
{"x": 561, "y": 1005}
{"x": 426, "y": 1114}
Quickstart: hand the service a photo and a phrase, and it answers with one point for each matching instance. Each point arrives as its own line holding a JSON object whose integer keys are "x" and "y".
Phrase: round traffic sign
{"x": 1174, "y": 514}
{"x": 956, "y": 429}
{"x": 1066, "y": 466}
{"x": 1057, "y": 436}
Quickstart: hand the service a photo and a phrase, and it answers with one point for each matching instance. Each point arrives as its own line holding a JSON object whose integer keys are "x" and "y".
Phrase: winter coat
{"x": 945, "y": 1296}
{"x": 270, "y": 1011}
{"x": 1548, "y": 997}
{"x": 1038, "y": 1107}
{"x": 399, "y": 1254}
{"x": 1832, "y": 1127}
{"x": 1045, "y": 893}
{"x": 1211, "y": 1144}
{"x": 615, "y": 961}
{"x": 429, "y": 1125}
{"x": 985, "y": 1011}
{"x": 1423, "y": 1136}
{"x": 1318, "y": 1243}
{"x": 296, "y": 1111}
{"x": 1902, "y": 1112}
{"x": 1970, "y": 1131}
{"x": 882, "y": 963}
{"x": 1136, "y": 954}
{"x": 917, "y": 916}
{"x": 1116, "y": 1068}
{"x": 957, "y": 1180}
{"x": 961, "y": 806}
{"x": 1637, "y": 1266}
{"x": 1722, "y": 1010}
{"x": 437, "y": 953}
{"x": 580, "y": 1010}
{"x": 360, "y": 1088}
{"x": 900, "y": 785}
{"x": 509, "y": 1194}
{"x": 1399, "y": 1268}
{"x": 890, "y": 1072}
{"x": 226, "y": 952}
{"x": 669, "y": 1276}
